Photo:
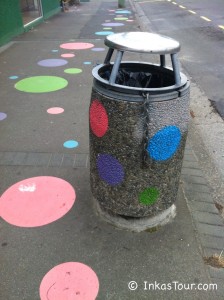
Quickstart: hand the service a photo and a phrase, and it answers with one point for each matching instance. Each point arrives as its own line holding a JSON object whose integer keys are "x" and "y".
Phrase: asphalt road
{"x": 199, "y": 26}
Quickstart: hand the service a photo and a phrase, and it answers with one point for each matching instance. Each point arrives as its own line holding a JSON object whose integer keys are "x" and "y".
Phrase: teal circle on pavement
{"x": 41, "y": 84}
{"x": 13, "y": 77}
{"x": 104, "y": 32}
{"x": 71, "y": 144}
{"x": 123, "y": 12}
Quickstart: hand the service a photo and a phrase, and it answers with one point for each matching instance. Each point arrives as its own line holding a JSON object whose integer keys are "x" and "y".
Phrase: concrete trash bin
{"x": 137, "y": 133}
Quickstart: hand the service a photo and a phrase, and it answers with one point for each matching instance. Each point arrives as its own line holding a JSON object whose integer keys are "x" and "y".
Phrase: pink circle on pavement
{"x": 55, "y": 110}
{"x": 36, "y": 201}
{"x": 68, "y": 281}
{"x": 76, "y": 46}
{"x": 68, "y": 55}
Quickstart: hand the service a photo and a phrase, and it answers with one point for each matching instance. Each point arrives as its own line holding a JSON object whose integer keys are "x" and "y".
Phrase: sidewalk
{"x": 38, "y": 141}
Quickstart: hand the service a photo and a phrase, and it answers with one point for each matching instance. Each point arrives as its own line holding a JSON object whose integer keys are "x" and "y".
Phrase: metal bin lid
{"x": 143, "y": 42}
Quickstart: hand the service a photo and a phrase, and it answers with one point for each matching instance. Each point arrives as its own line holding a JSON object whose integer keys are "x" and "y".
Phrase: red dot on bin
{"x": 98, "y": 118}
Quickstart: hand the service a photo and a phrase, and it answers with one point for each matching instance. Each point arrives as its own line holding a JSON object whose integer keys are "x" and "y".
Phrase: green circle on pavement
{"x": 120, "y": 19}
{"x": 41, "y": 84}
{"x": 73, "y": 71}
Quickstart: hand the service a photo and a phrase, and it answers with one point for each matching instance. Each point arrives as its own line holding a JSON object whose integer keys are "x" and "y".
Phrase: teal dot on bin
{"x": 149, "y": 196}
{"x": 164, "y": 143}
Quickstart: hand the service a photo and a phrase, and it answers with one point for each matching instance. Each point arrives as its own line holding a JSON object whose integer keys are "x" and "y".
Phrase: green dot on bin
{"x": 149, "y": 196}
{"x": 73, "y": 71}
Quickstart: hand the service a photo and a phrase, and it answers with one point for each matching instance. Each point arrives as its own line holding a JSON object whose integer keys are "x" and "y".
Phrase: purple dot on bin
{"x": 52, "y": 62}
{"x": 2, "y": 116}
{"x": 109, "y": 169}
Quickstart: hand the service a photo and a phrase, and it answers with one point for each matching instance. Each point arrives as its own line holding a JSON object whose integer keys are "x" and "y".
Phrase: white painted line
{"x": 175, "y": 3}
{"x": 221, "y": 26}
{"x": 181, "y": 6}
{"x": 192, "y": 12}
{"x": 206, "y": 19}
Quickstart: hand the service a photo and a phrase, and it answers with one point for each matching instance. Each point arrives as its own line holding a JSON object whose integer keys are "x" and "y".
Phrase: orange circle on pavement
{"x": 36, "y": 201}
{"x": 68, "y": 281}
{"x": 76, "y": 46}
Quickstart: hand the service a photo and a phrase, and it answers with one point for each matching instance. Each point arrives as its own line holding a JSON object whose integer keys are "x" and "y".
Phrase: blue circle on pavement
{"x": 71, "y": 144}
{"x": 164, "y": 143}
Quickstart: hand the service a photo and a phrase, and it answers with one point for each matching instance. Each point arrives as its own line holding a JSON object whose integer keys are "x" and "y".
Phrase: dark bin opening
{"x": 140, "y": 75}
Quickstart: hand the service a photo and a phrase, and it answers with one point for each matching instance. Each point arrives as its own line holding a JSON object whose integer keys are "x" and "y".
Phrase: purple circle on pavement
{"x": 109, "y": 169}
{"x": 52, "y": 62}
{"x": 98, "y": 49}
{"x": 112, "y": 24}
{"x": 2, "y": 116}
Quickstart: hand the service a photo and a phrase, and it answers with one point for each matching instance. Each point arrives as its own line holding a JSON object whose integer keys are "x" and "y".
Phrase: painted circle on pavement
{"x": 68, "y": 55}
{"x": 73, "y": 71}
{"x": 122, "y": 12}
{"x": 70, "y": 280}
{"x": 164, "y": 143}
{"x": 3, "y": 116}
{"x": 52, "y": 62}
{"x": 41, "y": 84}
{"x": 104, "y": 32}
{"x": 98, "y": 49}
{"x": 13, "y": 77}
{"x": 55, "y": 110}
{"x": 149, "y": 196}
{"x": 98, "y": 118}
{"x": 109, "y": 169}
{"x": 113, "y": 24}
{"x": 36, "y": 201}
{"x": 87, "y": 62}
{"x": 71, "y": 144}
{"x": 120, "y": 19}
{"x": 77, "y": 46}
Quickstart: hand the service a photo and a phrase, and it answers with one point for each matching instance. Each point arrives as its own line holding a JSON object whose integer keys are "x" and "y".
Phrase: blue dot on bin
{"x": 71, "y": 144}
{"x": 164, "y": 143}
{"x": 109, "y": 169}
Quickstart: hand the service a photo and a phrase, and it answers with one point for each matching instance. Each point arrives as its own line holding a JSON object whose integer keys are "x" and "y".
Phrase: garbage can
{"x": 138, "y": 120}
